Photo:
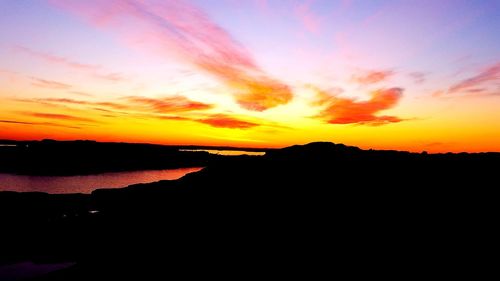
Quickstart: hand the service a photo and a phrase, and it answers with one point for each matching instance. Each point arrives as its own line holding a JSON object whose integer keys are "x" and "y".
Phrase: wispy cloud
{"x": 56, "y": 59}
{"x": 418, "y": 77}
{"x": 90, "y": 69}
{"x": 78, "y": 93}
{"x": 59, "y": 117}
{"x": 38, "y": 124}
{"x": 163, "y": 105}
{"x": 173, "y": 108}
{"x": 177, "y": 26}
{"x": 483, "y": 79}
{"x": 214, "y": 120}
{"x": 83, "y": 102}
{"x": 10, "y": 76}
{"x": 262, "y": 5}
{"x": 173, "y": 118}
{"x": 310, "y": 20}
{"x": 476, "y": 90}
{"x": 437, "y": 93}
{"x": 342, "y": 110}
{"x": 225, "y": 121}
{"x": 169, "y": 104}
{"x": 372, "y": 76}
{"x": 49, "y": 84}
{"x": 113, "y": 77}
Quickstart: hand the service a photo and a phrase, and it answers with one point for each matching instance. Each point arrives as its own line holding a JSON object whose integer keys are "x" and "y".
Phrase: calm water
{"x": 24, "y": 270}
{"x": 88, "y": 183}
{"x": 227, "y": 152}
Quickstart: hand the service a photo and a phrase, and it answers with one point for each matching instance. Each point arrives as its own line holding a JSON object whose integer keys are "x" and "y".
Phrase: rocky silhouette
{"x": 49, "y": 157}
{"x": 284, "y": 213}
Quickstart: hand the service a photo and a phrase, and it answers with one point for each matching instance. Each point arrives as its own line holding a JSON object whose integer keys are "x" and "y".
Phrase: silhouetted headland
{"x": 279, "y": 213}
{"x": 49, "y": 157}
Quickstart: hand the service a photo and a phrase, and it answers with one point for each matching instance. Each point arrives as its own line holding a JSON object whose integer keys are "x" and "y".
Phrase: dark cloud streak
{"x": 59, "y": 117}
{"x": 38, "y": 124}
{"x": 49, "y": 84}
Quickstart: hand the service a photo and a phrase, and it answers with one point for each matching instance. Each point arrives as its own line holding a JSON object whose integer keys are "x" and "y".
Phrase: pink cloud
{"x": 488, "y": 75}
{"x": 78, "y": 93}
{"x": 91, "y": 69}
{"x": 262, "y": 5}
{"x": 178, "y": 27}
{"x": 341, "y": 110}
{"x": 476, "y": 90}
{"x": 113, "y": 77}
{"x": 56, "y": 59}
{"x": 11, "y": 76}
{"x": 437, "y": 93}
{"x": 49, "y": 84}
{"x": 372, "y": 76}
{"x": 308, "y": 18}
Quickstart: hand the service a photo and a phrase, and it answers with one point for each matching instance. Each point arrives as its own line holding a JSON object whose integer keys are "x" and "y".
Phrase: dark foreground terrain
{"x": 301, "y": 212}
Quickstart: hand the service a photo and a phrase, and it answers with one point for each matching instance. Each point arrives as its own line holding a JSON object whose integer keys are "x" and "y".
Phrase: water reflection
{"x": 228, "y": 152}
{"x": 87, "y": 183}
{"x": 28, "y": 269}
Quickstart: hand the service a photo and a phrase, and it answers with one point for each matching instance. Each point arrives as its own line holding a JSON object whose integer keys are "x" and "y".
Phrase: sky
{"x": 419, "y": 75}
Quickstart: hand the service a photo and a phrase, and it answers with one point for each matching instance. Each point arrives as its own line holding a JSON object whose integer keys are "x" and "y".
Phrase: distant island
{"x": 291, "y": 202}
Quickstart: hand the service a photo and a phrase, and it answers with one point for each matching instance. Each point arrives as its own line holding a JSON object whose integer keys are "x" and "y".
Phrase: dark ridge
{"x": 88, "y": 157}
{"x": 49, "y": 157}
{"x": 249, "y": 149}
{"x": 282, "y": 214}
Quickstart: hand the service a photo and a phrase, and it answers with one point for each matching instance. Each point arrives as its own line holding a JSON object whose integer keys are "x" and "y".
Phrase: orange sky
{"x": 253, "y": 73}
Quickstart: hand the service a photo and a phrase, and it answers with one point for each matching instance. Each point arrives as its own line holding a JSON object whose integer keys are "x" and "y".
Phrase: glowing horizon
{"x": 405, "y": 75}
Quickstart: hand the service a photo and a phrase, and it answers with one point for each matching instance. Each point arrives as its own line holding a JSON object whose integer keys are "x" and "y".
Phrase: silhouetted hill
{"x": 49, "y": 157}
{"x": 280, "y": 214}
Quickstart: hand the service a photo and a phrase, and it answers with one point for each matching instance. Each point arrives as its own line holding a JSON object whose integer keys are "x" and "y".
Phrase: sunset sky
{"x": 407, "y": 75}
